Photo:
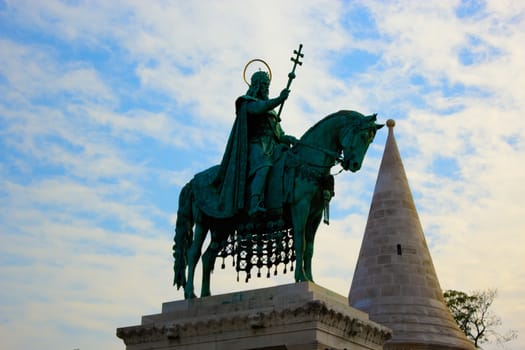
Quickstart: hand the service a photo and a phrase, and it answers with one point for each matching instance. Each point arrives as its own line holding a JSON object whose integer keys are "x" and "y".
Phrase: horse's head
{"x": 355, "y": 139}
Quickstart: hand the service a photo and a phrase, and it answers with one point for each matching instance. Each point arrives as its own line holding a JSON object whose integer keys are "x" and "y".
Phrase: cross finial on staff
{"x": 291, "y": 76}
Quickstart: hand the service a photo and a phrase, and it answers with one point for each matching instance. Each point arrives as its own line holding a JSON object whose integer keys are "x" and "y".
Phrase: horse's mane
{"x": 352, "y": 114}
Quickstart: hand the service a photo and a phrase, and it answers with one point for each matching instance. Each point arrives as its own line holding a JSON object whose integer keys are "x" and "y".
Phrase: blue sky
{"x": 107, "y": 109}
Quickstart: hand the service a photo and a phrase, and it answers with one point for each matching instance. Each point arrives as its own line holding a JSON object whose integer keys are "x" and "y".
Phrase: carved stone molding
{"x": 311, "y": 311}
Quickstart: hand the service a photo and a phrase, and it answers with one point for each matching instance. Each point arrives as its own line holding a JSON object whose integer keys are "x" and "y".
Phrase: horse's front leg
{"x": 312, "y": 224}
{"x": 299, "y": 217}
{"x": 194, "y": 254}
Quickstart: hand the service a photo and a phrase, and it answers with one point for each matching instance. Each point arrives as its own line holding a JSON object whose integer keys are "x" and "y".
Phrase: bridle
{"x": 335, "y": 156}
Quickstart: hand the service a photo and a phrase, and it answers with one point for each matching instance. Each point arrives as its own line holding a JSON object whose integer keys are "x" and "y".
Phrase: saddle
{"x": 279, "y": 186}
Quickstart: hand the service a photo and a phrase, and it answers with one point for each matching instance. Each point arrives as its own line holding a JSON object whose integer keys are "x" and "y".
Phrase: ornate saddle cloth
{"x": 260, "y": 242}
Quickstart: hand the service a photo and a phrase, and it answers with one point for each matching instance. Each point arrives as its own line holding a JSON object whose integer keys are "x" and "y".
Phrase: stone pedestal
{"x": 295, "y": 316}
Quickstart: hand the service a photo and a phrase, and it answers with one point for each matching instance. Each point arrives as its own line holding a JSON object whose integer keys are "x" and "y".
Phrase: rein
{"x": 337, "y": 157}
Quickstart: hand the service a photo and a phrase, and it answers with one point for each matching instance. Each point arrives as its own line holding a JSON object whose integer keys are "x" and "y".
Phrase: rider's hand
{"x": 289, "y": 139}
{"x": 284, "y": 94}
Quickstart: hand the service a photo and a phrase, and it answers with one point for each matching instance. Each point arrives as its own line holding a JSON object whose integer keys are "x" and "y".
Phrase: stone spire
{"x": 395, "y": 281}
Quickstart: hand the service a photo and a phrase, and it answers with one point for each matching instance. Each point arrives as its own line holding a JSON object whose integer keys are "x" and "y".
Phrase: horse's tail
{"x": 183, "y": 235}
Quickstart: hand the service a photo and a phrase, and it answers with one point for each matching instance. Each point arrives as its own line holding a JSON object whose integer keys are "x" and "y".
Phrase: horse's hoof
{"x": 190, "y": 295}
{"x": 301, "y": 278}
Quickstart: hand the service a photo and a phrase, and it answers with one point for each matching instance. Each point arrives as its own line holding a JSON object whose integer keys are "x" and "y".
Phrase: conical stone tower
{"x": 395, "y": 281}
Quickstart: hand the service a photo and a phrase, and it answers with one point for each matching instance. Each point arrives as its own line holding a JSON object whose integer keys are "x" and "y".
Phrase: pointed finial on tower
{"x": 390, "y": 123}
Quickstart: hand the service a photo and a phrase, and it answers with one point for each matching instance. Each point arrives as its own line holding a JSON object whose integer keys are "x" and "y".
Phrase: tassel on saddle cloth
{"x": 327, "y": 185}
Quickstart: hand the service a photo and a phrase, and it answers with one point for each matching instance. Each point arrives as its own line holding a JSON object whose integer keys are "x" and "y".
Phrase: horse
{"x": 307, "y": 163}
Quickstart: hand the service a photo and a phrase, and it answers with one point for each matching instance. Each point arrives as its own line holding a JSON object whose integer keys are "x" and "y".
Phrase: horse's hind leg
{"x": 194, "y": 254}
{"x": 218, "y": 241}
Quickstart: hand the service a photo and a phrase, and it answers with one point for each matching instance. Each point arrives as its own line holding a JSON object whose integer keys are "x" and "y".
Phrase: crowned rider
{"x": 248, "y": 157}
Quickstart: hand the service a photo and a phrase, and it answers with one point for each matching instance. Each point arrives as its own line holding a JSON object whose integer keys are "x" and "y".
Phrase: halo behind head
{"x": 269, "y": 72}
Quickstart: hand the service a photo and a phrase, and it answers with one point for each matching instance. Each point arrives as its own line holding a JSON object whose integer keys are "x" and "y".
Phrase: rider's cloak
{"x": 233, "y": 170}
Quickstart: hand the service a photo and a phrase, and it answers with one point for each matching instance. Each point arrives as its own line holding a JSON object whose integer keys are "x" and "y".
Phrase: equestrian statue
{"x": 264, "y": 202}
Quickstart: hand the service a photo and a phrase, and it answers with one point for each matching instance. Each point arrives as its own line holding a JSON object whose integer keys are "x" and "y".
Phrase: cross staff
{"x": 291, "y": 75}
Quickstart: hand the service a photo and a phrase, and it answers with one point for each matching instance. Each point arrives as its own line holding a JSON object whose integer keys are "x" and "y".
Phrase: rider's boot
{"x": 257, "y": 187}
{"x": 256, "y": 205}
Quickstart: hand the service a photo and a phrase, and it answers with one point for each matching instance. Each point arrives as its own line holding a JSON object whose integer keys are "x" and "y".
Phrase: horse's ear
{"x": 379, "y": 126}
{"x": 373, "y": 117}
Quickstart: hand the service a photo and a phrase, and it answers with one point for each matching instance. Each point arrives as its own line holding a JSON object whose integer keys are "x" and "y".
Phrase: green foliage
{"x": 474, "y": 318}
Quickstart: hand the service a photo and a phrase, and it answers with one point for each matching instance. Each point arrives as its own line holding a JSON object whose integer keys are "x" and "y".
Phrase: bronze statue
{"x": 255, "y": 136}
{"x": 288, "y": 191}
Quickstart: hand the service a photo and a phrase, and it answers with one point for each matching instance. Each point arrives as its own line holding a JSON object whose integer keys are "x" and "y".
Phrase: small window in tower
{"x": 399, "y": 250}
